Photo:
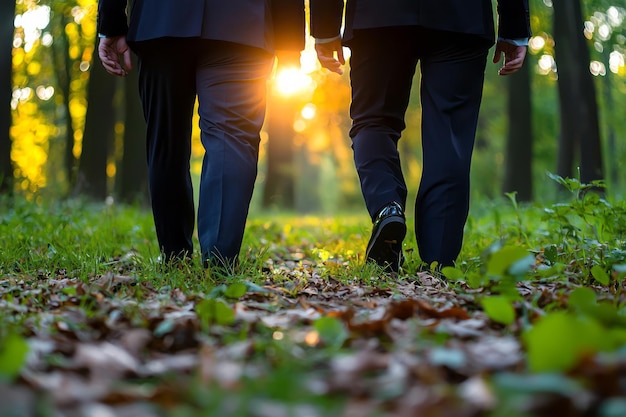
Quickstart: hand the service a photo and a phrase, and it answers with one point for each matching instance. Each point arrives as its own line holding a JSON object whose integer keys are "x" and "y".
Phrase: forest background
{"x": 69, "y": 129}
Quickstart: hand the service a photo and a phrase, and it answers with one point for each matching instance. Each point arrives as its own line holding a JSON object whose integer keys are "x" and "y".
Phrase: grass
{"x": 532, "y": 316}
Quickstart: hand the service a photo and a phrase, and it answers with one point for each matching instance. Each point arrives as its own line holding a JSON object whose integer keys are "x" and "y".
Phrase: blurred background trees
{"x": 69, "y": 129}
{"x": 7, "y": 11}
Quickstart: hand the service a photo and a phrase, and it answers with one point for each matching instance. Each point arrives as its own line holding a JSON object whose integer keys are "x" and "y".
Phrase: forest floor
{"x": 304, "y": 332}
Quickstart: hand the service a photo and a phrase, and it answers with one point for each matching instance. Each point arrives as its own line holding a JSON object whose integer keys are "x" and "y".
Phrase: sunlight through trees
{"x": 53, "y": 64}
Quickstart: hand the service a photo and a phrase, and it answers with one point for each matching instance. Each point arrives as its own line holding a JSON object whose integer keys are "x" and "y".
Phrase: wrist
{"x": 319, "y": 41}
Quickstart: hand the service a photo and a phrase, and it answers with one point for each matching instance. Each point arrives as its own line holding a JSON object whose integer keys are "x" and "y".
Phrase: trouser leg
{"x": 451, "y": 91}
{"x": 381, "y": 74}
{"x": 168, "y": 91}
{"x": 231, "y": 84}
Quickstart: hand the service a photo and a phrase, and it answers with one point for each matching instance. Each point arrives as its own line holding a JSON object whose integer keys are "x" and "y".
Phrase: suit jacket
{"x": 267, "y": 24}
{"x": 463, "y": 16}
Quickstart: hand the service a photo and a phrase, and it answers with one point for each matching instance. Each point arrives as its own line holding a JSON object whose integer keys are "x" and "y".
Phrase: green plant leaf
{"x": 584, "y": 301}
{"x": 522, "y": 266}
{"x": 252, "y": 287}
{"x": 600, "y": 275}
{"x": 236, "y": 290}
{"x": 510, "y": 260}
{"x": 13, "y": 353}
{"x": 513, "y": 197}
{"x": 453, "y": 274}
{"x": 211, "y": 311}
{"x": 558, "y": 340}
{"x": 551, "y": 253}
{"x": 332, "y": 331}
{"x": 218, "y": 291}
{"x": 571, "y": 184}
{"x": 507, "y": 288}
{"x": 499, "y": 309}
{"x": 476, "y": 280}
{"x": 581, "y": 298}
{"x": 69, "y": 290}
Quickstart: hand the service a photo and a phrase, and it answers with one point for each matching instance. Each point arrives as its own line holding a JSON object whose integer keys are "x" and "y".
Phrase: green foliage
{"x": 13, "y": 353}
{"x": 212, "y": 311}
{"x": 51, "y": 73}
{"x": 70, "y": 235}
{"x": 499, "y": 309}
{"x": 574, "y": 248}
{"x": 559, "y": 340}
{"x": 515, "y": 391}
{"x": 508, "y": 261}
{"x": 332, "y": 331}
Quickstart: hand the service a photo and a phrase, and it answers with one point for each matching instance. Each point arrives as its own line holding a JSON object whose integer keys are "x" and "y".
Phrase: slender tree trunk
{"x": 519, "y": 145}
{"x": 63, "y": 70}
{"x": 7, "y": 14}
{"x": 99, "y": 131}
{"x": 132, "y": 178}
{"x": 577, "y": 95}
{"x": 614, "y": 164}
{"x": 279, "y": 178}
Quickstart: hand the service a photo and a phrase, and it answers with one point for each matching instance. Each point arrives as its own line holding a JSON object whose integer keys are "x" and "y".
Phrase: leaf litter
{"x": 302, "y": 344}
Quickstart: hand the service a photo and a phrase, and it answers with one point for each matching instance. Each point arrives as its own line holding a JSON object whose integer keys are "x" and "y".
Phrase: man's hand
{"x": 513, "y": 57}
{"x": 330, "y": 55}
{"x": 115, "y": 55}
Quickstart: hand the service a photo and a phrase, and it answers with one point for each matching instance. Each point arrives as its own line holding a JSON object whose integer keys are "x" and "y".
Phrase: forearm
{"x": 112, "y": 20}
{"x": 513, "y": 19}
{"x": 326, "y": 17}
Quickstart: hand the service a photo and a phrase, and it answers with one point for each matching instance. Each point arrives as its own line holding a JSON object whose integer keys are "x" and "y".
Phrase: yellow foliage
{"x": 18, "y": 57}
{"x": 33, "y": 68}
{"x": 78, "y": 143}
{"x": 71, "y": 30}
{"x": 196, "y": 166}
{"x": 111, "y": 169}
{"x": 87, "y": 54}
{"x": 30, "y": 151}
{"x": 197, "y": 150}
{"x": 89, "y": 9}
{"x": 78, "y": 107}
{"x": 78, "y": 148}
{"x": 74, "y": 51}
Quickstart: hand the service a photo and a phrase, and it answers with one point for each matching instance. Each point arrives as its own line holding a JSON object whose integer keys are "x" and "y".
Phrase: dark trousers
{"x": 229, "y": 81}
{"x": 452, "y": 66}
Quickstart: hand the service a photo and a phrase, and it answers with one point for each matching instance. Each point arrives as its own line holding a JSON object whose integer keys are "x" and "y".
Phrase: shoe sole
{"x": 380, "y": 248}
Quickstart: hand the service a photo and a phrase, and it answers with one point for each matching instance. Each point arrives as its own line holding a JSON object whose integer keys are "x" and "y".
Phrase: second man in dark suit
{"x": 450, "y": 39}
{"x": 220, "y": 52}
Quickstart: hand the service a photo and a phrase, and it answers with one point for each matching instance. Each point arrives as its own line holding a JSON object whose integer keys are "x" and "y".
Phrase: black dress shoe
{"x": 385, "y": 245}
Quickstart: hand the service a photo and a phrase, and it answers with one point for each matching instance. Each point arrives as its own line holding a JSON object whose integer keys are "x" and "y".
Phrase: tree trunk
{"x": 519, "y": 145}
{"x": 99, "y": 130}
{"x": 132, "y": 178}
{"x": 63, "y": 71}
{"x": 7, "y": 14}
{"x": 577, "y": 95}
{"x": 279, "y": 178}
{"x": 611, "y": 115}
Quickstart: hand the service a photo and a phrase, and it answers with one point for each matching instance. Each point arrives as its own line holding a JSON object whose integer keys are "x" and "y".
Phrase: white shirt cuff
{"x": 516, "y": 42}
{"x": 327, "y": 40}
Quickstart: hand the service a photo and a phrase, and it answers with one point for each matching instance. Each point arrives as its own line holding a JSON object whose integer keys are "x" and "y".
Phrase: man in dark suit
{"x": 450, "y": 39}
{"x": 220, "y": 52}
